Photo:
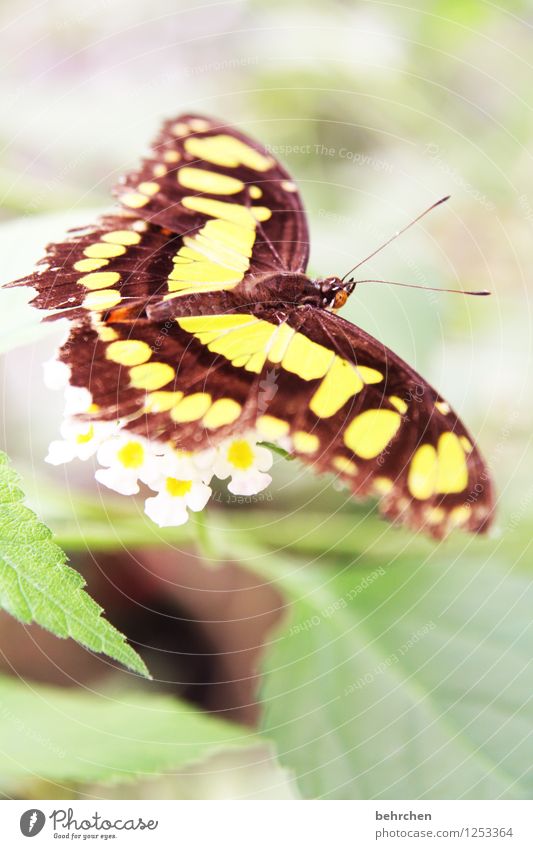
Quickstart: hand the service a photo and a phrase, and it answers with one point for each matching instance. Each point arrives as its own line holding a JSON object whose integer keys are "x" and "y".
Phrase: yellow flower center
{"x": 240, "y": 454}
{"x": 82, "y": 438}
{"x": 178, "y": 488}
{"x": 131, "y": 455}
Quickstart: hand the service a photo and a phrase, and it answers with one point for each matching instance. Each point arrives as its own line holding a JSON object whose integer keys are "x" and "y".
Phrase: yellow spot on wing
{"x": 341, "y": 382}
{"x": 199, "y": 125}
{"x": 422, "y": 474}
{"x": 204, "y": 248}
{"x": 209, "y": 181}
{"x": 371, "y": 431}
{"x": 90, "y": 264}
{"x": 180, "y": 129}
{"x": 103, "y": 250}
{"x": 452, "y": 473}
{"x": 191, "y": 408}
{"x": 151, "y": 376}
{"x": 231, "y": 236}
{"x": 306, "y": 358}
{"x": 148, "y": 188}
{"x": 382, "y": 485}
{"x": 161, "y": 402}
{"x": 233, "y": 212}
{"x": 435, "y": 515}
{"x": 122, "y": 237}
{"x": 305, "y": 443}
{"x": 102, "y": 299}
{"x": 223, "y": 412}
{"x": 106, "y": 334}
{"x": 129, "y": 352}
{"x": 460, "y": 515}
{"x": 370, "y": 375}
{"x": 201, "y": 271}
{"x": 289, "y": 186}
{"x": 99, "y": 279}
{"x": 467, "y": 445}
{"x": 280, "y": 342}
{"x": 442, "y": 407}
{"x": 271, "y": 427}
{"x": 227, "y": 151}
{"x": 171, "y": 156}
{"x": 134, "y": 200}
{"x": 399, "y": 403}
{"x": 213, "y": 324}
{"x": 261, "y": 213}
{"x": 344, "y": 465}
{"x": 255, "y": 192}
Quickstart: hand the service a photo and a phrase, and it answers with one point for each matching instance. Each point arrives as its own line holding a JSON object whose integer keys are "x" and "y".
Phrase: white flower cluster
{"x": 180, "y": 479}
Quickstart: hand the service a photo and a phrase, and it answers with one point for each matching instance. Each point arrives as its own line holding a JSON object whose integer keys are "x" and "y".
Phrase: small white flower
{"x": 187, "y": 465}
{"x": 169, "y": 507}
{"x": 80, "y": 440}
{"x": 78, "y": 399}
{"x": 246, "y": 463}
{"x": 129, "y": 458}
{"x": 56, "y": 374}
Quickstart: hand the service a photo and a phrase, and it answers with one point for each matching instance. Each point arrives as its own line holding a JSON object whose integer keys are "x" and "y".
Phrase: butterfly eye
{"x": 341, "y": 296}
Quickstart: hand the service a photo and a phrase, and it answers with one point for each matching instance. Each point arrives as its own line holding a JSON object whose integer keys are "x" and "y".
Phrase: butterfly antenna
{"x": 399, "y": 233}
{"x": 427, "y": 288}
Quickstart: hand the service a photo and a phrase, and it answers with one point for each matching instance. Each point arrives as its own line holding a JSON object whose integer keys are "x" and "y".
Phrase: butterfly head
{"x": 335, "y": 292}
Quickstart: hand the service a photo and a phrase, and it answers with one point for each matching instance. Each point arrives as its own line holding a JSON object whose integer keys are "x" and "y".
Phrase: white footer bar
{"x": 268, "y": 824}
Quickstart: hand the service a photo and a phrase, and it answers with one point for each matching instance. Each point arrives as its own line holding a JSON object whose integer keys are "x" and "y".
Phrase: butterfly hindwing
{"x": 344, "y": 403}
{"x": 394, "y": 437}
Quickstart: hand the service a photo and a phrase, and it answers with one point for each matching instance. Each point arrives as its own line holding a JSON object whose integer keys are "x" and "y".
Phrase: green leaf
{"x": 58, "y": 734}
{"x": 36, "y": 585}
{"x": 410, "y": 678}
{"x": 277, "y": 449}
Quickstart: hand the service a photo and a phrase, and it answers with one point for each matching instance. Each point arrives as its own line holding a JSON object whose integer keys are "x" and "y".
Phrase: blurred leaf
{"x": 411, "y": 680}
{"x": 20, "y": 323}
{"x": 63, "y": 735}
{"x": 36, "y": 585}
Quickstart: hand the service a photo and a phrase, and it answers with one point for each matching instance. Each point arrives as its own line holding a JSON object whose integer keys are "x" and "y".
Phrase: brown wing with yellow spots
{"x": 347, "y": 404}
{"x": 209, "y": 209}
{"x": 161, "y": 382}
{"x": 352, "y": 407}
{"x": 373, "y": 420}
{"x": 236, "y": 209}
{"x": 117, "y": 260}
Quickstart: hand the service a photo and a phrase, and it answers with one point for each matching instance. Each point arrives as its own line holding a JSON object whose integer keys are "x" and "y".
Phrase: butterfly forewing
{"x": 237, "y": 210}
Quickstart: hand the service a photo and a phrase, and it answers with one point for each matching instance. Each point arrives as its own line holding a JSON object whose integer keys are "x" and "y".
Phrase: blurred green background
{"x": 377, "y": 109}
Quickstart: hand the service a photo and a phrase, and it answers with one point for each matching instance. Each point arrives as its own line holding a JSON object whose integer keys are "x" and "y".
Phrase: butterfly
{"x": 193, "y": 319}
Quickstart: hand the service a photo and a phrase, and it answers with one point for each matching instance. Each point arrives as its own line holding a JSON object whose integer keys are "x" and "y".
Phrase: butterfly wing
{"x": 370, "y": 418}
{"x": 228, "y": 198}
{"x": 343, "y": 402}
{"x": 116, "y": 261}
{"x": 207, "y": 211}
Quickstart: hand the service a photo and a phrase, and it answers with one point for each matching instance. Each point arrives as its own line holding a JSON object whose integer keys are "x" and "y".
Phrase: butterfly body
{"x": 194, "y": 319}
